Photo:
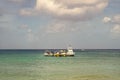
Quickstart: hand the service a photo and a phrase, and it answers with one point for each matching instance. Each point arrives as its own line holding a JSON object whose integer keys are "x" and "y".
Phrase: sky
{"x": 43, "y": 24}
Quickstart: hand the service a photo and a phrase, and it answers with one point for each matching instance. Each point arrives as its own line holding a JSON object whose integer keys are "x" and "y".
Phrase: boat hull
{"x": 59, "y": 55}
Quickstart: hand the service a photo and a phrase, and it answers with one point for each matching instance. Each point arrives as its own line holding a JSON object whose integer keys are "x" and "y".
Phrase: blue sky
{"x": 41, "y": 24}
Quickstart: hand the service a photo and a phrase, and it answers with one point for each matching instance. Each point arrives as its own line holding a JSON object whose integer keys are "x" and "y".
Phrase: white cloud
{"x": 106, "y": 19}
{"x": 65, "y": 9}
{"x": 116, "y": 29}
{"x": 115, "y": 21}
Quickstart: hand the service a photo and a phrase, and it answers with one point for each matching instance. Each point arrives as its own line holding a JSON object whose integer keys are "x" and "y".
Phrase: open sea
{"x": 85, "y": 65}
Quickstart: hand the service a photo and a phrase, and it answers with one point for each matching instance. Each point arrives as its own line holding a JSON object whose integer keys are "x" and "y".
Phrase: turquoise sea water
{"x": 86, "y": 65}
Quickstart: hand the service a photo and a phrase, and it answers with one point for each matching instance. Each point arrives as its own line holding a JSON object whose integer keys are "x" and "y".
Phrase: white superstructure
{"x": 70, "y": 51}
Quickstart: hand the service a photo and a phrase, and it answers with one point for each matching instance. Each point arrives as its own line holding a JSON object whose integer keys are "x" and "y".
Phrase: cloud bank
{"x": 67, "y": 10}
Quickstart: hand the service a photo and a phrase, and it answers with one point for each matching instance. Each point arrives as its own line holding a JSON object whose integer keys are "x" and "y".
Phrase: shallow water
{"x": 32, "y": 65}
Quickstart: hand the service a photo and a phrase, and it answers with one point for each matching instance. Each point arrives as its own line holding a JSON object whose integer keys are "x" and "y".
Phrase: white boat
{"x": 61, "y": 53}
{"x": 70, "y": 51}
{"x": 48, "y": 54}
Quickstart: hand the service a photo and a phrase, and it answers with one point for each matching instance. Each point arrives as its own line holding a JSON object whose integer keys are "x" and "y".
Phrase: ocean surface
{"x": 85, "y": 65}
